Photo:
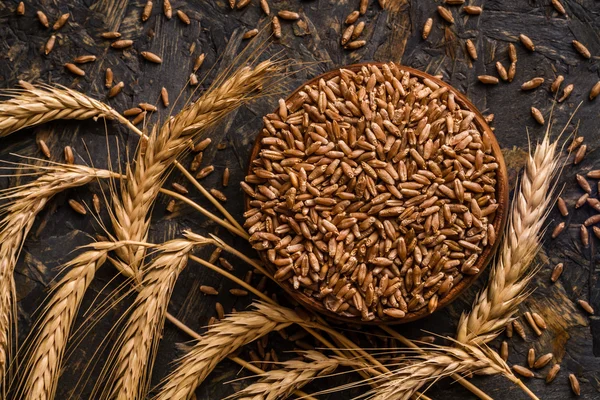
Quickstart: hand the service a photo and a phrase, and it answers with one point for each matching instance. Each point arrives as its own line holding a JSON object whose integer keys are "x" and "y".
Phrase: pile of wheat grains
{"x": 372, "y": 192}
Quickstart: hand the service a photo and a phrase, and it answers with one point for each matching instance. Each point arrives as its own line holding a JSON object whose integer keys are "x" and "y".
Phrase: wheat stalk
{"x": 497, "y": 303}
{"x": 164, "y": 146}
{"x": 42, "y": 103}
{"x": 436, "y": 363}
{"x": 138, "y": 344}
{"x": 24, "y": 203}
{"x": 293, "y": 375}
{"x": 219, "y": 341}
{"x": 42, "y": 369}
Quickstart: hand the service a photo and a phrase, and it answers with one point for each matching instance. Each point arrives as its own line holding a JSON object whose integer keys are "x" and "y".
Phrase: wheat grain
{"x": 44, "y": 103}
{"x": 496, "y": 304}
{"x": 222, "y": 339}
{"x": 427, "y": 28}
{"x": 121, "y": 44}
{"x": 110, "y": 35}
{"x": 61, "y": 21}
{"x": 138, "y": 344}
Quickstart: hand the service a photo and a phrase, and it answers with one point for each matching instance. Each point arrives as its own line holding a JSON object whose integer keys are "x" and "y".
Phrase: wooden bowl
{"x": 486, "y": 256}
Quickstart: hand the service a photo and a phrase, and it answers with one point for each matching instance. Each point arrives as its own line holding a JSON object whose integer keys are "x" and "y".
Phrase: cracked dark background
{"x": 392, "y": 35}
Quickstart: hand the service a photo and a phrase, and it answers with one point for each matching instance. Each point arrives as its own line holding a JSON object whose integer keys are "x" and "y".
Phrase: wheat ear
{"x": 164, "y": 146}
{"x": 138, "y": 344}
{"x": 42, "y": 103}
{"x": 497, "y": 303}
{"x": 437, "y": 363}
{"x": 293, "y": 374}
{"x": 42, "y": 368}
{"x": 23, "y": 204}
{"x": 221, "y": 340}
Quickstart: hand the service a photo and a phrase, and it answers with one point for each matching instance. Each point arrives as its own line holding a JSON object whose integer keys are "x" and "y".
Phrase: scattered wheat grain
{"x": 574, "y": 384}
{"x": 580, "y": 154}
{"x": 427, "y": 28}
{"x": 61, "y": 21}
{"x": 74, "y": 69}
{"x": 77, "y": 207}
{"x": 183, "y": 17}
{"x": 527, "y": 42}
{"x": 445, "y": 14}
{"x": 581, "y": 49}
{"x": 121, "y": 44}
{"x": 473, "y": 10}
{"x": 115, "y": 90}
{"x": 50, "y": 44}
{"x": 42, "y": 18}
{"x": 556, "y": 272}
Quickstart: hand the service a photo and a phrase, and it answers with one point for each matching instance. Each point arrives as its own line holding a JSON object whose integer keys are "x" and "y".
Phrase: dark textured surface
{"x": 392, "y": 35}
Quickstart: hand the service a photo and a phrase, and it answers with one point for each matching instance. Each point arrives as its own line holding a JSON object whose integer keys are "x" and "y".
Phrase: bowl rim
{"x": 502, "y": 191}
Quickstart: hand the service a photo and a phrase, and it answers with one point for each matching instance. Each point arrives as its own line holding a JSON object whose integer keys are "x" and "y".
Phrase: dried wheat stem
{"x": 214, "y": 201}
{"x": 239, "y": 231}
{"x": 164, "y": 146}
{"x": 42, "y": 103}
{"x": 221, "y": 340}
{"x": 138, "y": 344}
{"x": 42, "y": 368}
{"x": 233, "y": 278}
{"x": 24, "y": 202}
{"x": 294, "y": 374}
{"x": 204, "y": 212}
{"x": 250, "y": 367}
{"x": 497, "y": 303}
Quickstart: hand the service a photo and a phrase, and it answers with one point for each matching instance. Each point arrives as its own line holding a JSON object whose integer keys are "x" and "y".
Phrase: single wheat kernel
{"x": 61, "y": 21}
{"x": 77, "y": 207}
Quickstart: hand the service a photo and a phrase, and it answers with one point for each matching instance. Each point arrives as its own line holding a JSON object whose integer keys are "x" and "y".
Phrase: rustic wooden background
{"x": 392, "y": 35}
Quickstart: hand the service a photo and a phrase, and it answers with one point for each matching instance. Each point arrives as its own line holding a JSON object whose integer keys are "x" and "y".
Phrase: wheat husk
{"x": 135, "y": 354}
{"x": 43, "y": 103}
{"x": 221, "y": 340}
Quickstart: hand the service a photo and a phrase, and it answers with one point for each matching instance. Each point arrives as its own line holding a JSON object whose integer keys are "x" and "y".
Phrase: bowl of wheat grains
{"x": 375, "y": 193}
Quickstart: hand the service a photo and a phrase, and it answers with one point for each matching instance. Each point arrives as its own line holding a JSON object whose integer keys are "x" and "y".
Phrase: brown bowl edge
{"x": 486, "y": 256}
